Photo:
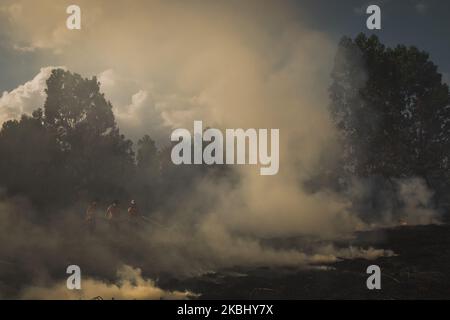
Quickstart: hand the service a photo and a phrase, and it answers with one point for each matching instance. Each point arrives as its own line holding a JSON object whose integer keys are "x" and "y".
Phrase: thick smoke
{"x": 129, "y": 285}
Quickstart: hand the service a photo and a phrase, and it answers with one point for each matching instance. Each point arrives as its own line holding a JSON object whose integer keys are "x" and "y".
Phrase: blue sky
{"x": 424, "y": 24}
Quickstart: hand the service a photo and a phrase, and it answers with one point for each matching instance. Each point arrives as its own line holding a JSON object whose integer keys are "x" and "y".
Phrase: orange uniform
{"x": 133, "y": 211}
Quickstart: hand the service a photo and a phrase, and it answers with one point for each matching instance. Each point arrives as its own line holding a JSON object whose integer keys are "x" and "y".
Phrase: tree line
{"x": 71, "y": 150}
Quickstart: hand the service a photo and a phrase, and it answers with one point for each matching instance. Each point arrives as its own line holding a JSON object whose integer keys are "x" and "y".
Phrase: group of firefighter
{"x": 112, "y": 214}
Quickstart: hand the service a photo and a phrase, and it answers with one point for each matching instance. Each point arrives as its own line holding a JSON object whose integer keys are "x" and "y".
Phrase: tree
{"x": 97, "y": 157}
{"x": 392, "y": 111}
{"x": 147, "y": 156}
{"x": 148, "y": 179}
{"x": 29, "y": 154}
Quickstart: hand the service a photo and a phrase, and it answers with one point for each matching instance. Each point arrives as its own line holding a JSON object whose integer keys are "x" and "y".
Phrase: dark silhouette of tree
{"x": 148, "y": 177}
{"x": 74, "y": 105}
{"x": 96, "y": 156}
{"x": 29, "y": 154}
{"x": 392, "y": 111}
{"x": 147, "y": 158}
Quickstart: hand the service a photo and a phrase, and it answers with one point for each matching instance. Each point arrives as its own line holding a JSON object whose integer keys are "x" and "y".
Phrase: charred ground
{"x": 418, "y": 271}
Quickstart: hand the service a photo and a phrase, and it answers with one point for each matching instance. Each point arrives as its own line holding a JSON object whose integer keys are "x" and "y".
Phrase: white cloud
{"x": 25, "y": 98}
{"x": 134, "y": 106}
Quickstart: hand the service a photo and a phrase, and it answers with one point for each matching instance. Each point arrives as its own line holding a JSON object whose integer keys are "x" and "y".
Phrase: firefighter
{"x": 133, "y": 210}
{"x": 133, "y": 213}
{"x": 90, "y": 218}
{"x": 112, "y": 214}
